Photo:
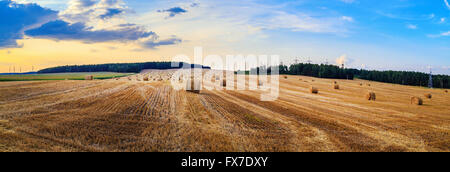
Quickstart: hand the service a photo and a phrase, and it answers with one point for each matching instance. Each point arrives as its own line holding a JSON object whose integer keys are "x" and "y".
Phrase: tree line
{"x": 405, "y": 78}
{"x": 313, "y": 70}
{"x": 335, "y": 72}
{"x": 118, "y": 67}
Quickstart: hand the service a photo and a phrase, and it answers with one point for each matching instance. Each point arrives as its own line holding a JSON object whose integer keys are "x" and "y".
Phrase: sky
{"x": 411, "y": 35}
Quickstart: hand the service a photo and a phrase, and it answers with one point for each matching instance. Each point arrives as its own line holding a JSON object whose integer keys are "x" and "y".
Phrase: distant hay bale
{"x": 260, "y": 83}
{"x": 300, "y": 79}
{"x": 336, "y": 86}
{"x": 313, "y": 80}
{"x": 285, "y": 77}
{"x": 146, "y": 78}
{"x": 416, "y": 101}
{"x": 192, "y": 87}
{"x": 335, "y": 82}
{"x": 429, "y": 96}
{"x": 371, "y": 96}
{"x": 89, "y": 77}
{"x": 369, "y": 85}
{"x": 360, "y": 84}
{"x": 224, "y": 83}
{"x": 446, "y": 91}
{"x": 314, "y": 90}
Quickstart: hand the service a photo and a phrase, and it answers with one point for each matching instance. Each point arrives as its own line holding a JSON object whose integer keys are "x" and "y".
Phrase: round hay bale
{"x": 224, "y": 83}
{"x": 285, "y": 77}
{"x": 371, "y": 96}
{"x": 369, "y": 85}
{"x": 446, "y": 91}
{"x": 146, "y": 78}
{"x": 335, "y": 82}
{"x": 193, "y": 86}
{"x": 428, "y": 96}
{"x": 314, "y": 90}
{"x": 260, "y": 83}
{"x": 313, "y": 80}
{"x": 89, "y": 77}
{"x": 336, "y": 86}
{"x": 360, "y": 84}
{"x": 416, "y": 101}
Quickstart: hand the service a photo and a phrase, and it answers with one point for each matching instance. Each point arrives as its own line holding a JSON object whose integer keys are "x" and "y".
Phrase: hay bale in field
{"x": 360, "y": 84}
{"x": 371, "y": 96}
{"x": 314, "y": 90}
{"x": 285, "y": 77}
{"x": 224, "y": 83}
{"x": 416, "y": 101}
{"x": 369, "y": 85}
{"x": 446, "y": 91}
{"x": 428, "y": 96}
{"x": 336, "y": 86}
{"x": 335, "y": 82}
{"x": 193, "y": 86}
{"x": 146, "y": 78}
{"x": 260, "y": 83}
{"x": 300, "y": 79}
{"x": 89, "y": 77}
{"x": 313, "y": 80}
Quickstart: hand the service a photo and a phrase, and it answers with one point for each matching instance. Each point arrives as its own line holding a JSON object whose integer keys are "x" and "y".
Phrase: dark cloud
{"x": 84, "y": 3}
{"x": 19, "y": 20}
{"x": 173, "y": 11}
{"x": 111, "y": 13}
{"x": 61, "y": 30}
{"x": 15, "y": 18}
{"x": 195, "y": 4}
{"x": 152, "y": 44}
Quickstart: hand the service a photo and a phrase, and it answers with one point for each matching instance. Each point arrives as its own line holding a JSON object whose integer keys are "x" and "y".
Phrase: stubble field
{"x": 130, "y": 114}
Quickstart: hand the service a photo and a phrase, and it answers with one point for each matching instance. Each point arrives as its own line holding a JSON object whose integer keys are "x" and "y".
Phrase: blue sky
{"x": 385, "y": 34}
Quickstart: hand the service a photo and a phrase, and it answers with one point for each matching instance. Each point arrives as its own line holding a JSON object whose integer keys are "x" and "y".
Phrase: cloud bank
{"x": 15, "y": 18}
{"x": 77, "y": 22}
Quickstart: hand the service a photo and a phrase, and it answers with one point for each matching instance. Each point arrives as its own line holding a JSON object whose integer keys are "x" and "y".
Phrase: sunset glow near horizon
{"x": 411, "y": 35}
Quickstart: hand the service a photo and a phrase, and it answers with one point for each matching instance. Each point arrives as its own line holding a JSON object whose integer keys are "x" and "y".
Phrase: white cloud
{"x": 91, "y": 12}
{"x": 343, "y": 60}
{"x": 347, "y": 18}
{"x": 443, "y": 34}
{"x": 348, "y": 1}
{"x": 446, "y": 3}
{"x": 411, "y": 26}
{"x": 442, "y": 20}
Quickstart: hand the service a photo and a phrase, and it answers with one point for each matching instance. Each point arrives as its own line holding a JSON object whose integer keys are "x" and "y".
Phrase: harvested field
{"x": 127, "y": 115}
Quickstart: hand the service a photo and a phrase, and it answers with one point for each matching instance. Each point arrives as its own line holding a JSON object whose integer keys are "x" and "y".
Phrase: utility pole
{"x": 430, "y": 82}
